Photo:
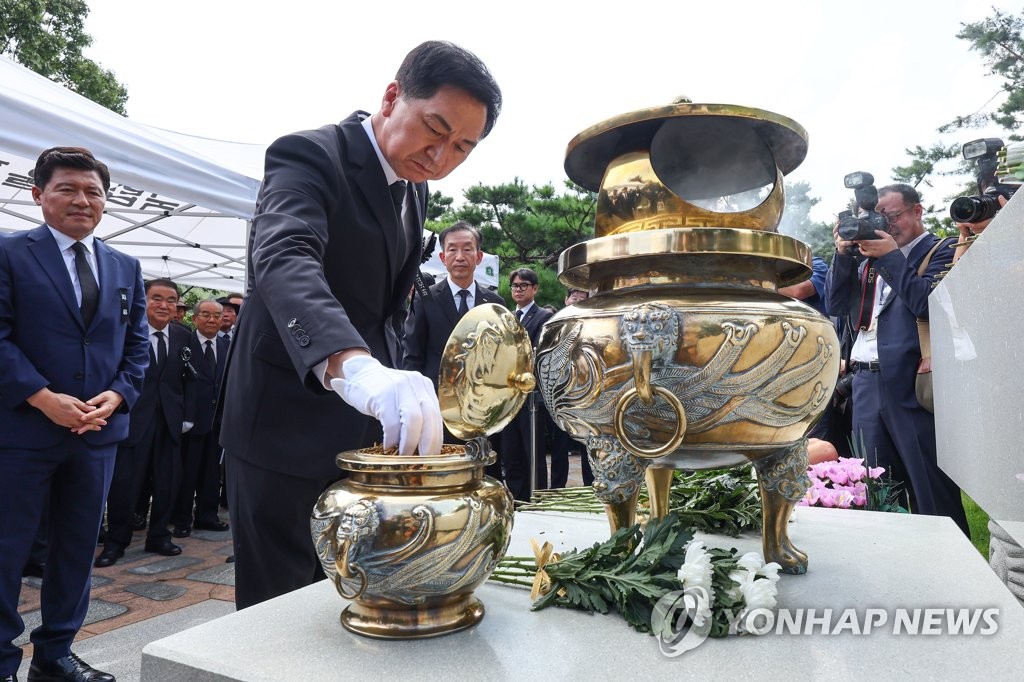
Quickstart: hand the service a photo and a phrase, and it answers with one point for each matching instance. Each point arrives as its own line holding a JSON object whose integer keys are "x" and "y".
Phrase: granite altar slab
{"x": 977, "y": 331}
{"x": 858, "y": 560}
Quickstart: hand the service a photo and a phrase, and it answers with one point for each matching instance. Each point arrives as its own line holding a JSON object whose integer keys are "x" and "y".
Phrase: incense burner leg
{"x": 659, "y": 481}
{"x": 782, "y": 479}
{"x": 617, "y": 478}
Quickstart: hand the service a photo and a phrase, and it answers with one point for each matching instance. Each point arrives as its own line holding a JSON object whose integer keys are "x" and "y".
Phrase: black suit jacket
{"x": 431, "y": 322}
{"x": 328, "y": 265}
{"x": 207, "y": 382}
{"x": 167, "y": 390}
{"x": 534, "y": 320}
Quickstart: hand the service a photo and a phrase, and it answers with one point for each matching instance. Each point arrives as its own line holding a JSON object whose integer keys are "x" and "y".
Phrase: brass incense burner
{"x": 408, "y": 539}
{"x": 685, "y": 356}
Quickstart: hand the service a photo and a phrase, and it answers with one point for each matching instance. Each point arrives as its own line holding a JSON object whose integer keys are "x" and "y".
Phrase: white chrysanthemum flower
{"x": 759, "y": 594}
{"x": 696, "y": 570}
{"x": 739, "y": 579}
{"x": 703, "y": 613}
{"x": 770, "y": 571}
{"x": 751, "y": 561}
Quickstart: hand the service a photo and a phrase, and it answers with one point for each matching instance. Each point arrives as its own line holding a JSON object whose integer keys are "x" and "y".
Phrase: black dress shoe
{"x": 211, "y": 525}
{"x": 70, "y": 668}
{"x": 166, "y": 547}
{"x": 108, "y": 557}
{"x": 181, "y": 532}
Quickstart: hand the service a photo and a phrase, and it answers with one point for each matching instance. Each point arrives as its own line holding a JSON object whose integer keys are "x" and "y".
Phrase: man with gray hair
{"x": 200, "y": 478}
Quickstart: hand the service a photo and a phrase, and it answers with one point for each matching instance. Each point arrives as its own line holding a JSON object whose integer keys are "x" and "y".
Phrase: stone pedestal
{"x": 977, "y": 331}
{"x": 859, "y": 560}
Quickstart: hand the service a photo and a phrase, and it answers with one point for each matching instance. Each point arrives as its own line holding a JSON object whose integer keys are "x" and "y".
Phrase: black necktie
{"x": 87, "y": 282}
{"x": 210, "y": 359}
{"x": 398, "y": 196}
{"x": 519, "y": 316}
{"x": 161, "y": 349}
{"x": 464, "y": 302}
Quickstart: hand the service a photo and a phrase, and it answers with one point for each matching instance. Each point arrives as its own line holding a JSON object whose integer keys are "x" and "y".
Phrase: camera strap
{"x": 867, "y": 297}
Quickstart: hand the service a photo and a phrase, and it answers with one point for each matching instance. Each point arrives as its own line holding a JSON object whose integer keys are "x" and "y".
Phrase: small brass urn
{"x": 686, "y": 356}
{"x": 408, "y": 539}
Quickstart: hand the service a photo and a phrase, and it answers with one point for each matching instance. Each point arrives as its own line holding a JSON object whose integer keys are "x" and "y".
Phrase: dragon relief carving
{"x": 411, "y": 572}
{"x": 582, "y": 391}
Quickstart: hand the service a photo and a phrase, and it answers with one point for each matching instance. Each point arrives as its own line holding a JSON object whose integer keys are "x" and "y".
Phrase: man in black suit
{"x": 72, "y": 359}
{"x": 153, "y": 446}
{"x": 200, "y": 449}
{"x": 433, "y": 317}
{"x": 335, "y": 243}
{"x": 528, "y": 425}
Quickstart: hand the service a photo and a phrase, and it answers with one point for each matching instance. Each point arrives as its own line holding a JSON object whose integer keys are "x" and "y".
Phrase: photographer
{"x": 876, "y": 280}
{"x": 968, "y": 230}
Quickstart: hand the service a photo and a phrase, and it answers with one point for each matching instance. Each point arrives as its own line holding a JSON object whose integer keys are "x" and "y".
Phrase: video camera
{"x": 1000, "y": 172}
{"x": 862, "y": 226}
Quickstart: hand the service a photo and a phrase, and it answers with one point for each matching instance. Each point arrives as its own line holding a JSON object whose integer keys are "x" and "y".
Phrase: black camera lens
{"x": 974, "y": 209}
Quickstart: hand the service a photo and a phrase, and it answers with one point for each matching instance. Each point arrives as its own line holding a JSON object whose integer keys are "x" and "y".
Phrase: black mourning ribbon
{"x": 463, "y": 302}
{"x": 87, "y": 282}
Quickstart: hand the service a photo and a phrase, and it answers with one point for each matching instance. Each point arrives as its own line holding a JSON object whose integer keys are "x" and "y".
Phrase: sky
{"x": 867, "y": 79}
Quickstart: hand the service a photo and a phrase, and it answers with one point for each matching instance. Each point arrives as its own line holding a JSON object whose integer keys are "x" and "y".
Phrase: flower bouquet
{"x": 641, "y": 574}
{"x": 847, "y": 483}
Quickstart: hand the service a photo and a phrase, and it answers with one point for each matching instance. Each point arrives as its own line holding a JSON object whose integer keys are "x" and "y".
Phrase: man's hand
{"x": 876, "y": 248}
{"x": 842, "y": 246}
{"x": 104, "y": 405}
{"x": 62, "y": 409}
{"x": 404, "y": 402}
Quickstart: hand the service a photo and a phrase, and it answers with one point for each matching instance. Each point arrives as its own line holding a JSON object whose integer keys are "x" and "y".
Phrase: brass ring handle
{"x": 343, "y": 566}
{"x": 620, "y": 427}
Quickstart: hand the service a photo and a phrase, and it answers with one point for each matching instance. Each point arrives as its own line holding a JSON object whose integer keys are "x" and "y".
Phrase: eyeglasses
{"x": 891, "y": 218}
{"x": 208, "y": 316}
{"x": 520, "y": 286}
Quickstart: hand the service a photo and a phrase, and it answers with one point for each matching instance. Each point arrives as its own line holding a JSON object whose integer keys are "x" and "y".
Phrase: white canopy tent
{"x": 180, "y": 204}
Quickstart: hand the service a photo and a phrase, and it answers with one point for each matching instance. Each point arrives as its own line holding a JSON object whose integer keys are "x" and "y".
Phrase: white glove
{"x": 404, "y": 402}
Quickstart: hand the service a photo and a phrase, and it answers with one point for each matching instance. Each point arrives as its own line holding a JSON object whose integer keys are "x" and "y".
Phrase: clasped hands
{"x": 404, "y": 402}
{"x": 79, "y": 416}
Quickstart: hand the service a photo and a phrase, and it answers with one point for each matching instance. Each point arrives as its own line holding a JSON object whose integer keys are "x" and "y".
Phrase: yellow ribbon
{"x": 543, "y": 554}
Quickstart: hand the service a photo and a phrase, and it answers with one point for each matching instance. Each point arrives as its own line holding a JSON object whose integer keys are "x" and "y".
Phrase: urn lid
{"x": 699, "y": 150}
{"x": 486, "y": 372}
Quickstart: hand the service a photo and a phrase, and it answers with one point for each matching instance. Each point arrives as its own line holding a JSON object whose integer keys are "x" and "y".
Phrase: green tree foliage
{"x": 796, "y": 220}
{"x": 47, "y": 36}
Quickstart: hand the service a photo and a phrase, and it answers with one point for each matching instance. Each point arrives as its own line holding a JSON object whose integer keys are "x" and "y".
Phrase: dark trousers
{"x": 902, "y": 439}
{"x": 155, "y": 455}
{"x": 561, "y": 445}
{"x": 200, "y": 480}
{"x": 515, "y": 453}
{"x": 71, "y": 481}
{"x": 274, "y": 551}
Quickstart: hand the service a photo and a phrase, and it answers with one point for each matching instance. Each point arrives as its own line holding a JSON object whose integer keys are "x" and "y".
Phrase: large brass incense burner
{"x": 686, "y": 356}
{"x": 408, "y": 539}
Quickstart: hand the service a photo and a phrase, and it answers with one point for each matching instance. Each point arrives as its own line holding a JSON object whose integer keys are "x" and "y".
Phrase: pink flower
{"x": 838, "y": 475}
{"x": 876, "y": 472}
{"x": 811, "y": 496}
{"x": 827, "y": 498}
{"x": 819, "y": 470}
{"x": 844, "y": 498}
